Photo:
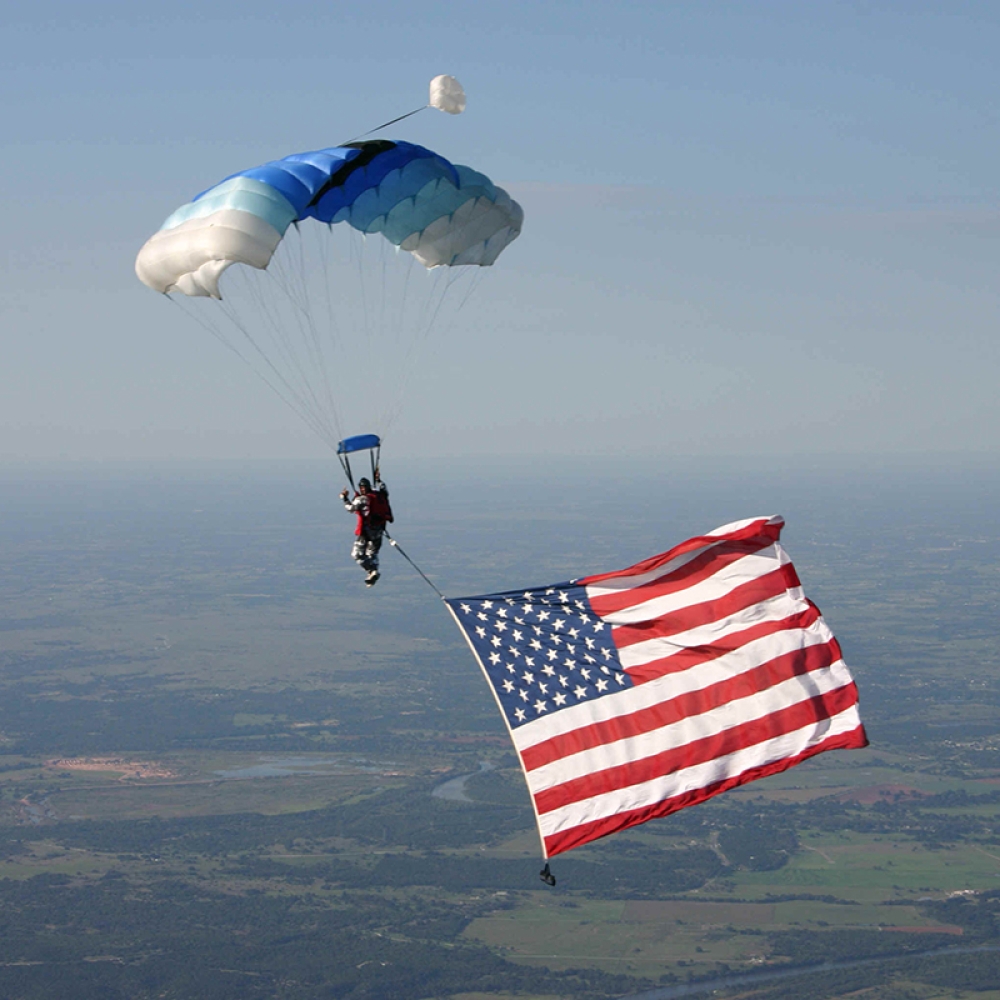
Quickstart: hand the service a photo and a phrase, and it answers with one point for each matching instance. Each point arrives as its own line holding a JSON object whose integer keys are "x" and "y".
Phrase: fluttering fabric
{"x": 630, "y": 695}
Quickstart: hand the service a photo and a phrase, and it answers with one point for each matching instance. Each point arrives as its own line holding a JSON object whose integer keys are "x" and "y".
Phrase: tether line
{"x": 427, "y": 580}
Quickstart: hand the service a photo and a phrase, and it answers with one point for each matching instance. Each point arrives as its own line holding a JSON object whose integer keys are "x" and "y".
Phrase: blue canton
{"x": 543, "y": 650}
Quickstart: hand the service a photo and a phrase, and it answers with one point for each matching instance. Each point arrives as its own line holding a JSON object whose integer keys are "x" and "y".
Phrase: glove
{"x": 343, "y": 494}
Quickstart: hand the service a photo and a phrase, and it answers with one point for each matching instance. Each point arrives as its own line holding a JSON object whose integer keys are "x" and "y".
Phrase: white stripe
{"x": 619, "y": 582}
{"x": 695, "y": 678}
{"x": 683, "y": 732}
{"x": 774, "y": 609}
{"x": 734, "y": 526}
{"x": 719, "y": 584}
{"x": 700, "y": 776}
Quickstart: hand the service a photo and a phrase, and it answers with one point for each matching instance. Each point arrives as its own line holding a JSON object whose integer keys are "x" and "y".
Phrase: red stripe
{"x": 691, "y": 656}
{"x": 758, "y": 528}
{"x": 708, "y": 564}
{"x": 810, "y": 712}
{"x": 647, "y": 720}
{"x": 743, "y": 597}
{"x": 576, "y": 836}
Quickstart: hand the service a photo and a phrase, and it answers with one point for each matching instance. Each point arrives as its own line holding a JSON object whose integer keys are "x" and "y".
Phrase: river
{"x": 679, "y": 990}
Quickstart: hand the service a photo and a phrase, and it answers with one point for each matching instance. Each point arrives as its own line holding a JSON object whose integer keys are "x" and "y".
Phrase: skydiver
{"x": 373, "y": 513}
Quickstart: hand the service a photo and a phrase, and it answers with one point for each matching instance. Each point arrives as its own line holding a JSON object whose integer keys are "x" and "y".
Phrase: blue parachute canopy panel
{"x": 360, "y": 442}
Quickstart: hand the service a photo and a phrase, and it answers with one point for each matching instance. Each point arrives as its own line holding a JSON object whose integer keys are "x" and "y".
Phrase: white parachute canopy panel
{"x": 447, "y": 95}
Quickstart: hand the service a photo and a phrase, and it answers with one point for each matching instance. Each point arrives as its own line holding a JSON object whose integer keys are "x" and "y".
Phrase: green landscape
{"x": 224, "y": 774}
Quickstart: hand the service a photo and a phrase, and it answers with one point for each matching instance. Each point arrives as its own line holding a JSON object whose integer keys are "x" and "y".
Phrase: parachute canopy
{"x": 442, "y": 213}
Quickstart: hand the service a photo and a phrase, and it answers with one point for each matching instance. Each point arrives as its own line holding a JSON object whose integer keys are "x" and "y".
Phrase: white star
{"x": 518, "y": 621}
{"x": 523, "y": 695}
{"x": 558, "y": 623}
{"x": 548, "y": 671}
{"x": 580, "y": 605}
{"x": 604, "y": 670}
{"x": 599, "y": 627}
{"x": 535, "y": 644}
{"x": 508, "y": 600}
{"x": 487, "y": 604}
{"x": 556, "y": 640}
{"x": 580, "y": 692}
{"x": 584, "y": 619}
{"x": 540, "y": 706}
{"x": 620, "y": 678}
{"x": 550, "y": 590}
{"x": 559, "y": 698}
{"x": 585, "y": 674}
{"x": 602, "y": 684}
{"x": 514, "y": 651}
{"x": 605, "y": 652}
{"x": 500, "y": 627}
{"x": 590, "y": 642}
{"x": 480, "y": 631}
{"x": 570, "y": 649}
{"x": 543, "y": 616}
{"x": 527, "y": 595}
{"x": 563, "y": 597}
{"x": 563, "y": 681}
{"x": 482, "y": 617}
{"x": 508, "y": 686}
{"x": 528, "y": 678}
{"x": 465, "y": 608}
{"x": 569, "y": 663}
{"x": 529, "y": 661}
{"x": 517, "y": 636}
{"x": 527, "y": 609}
{"x": 552, "y": 654}
{"x": 589, "y": 658}
{"x": 574, "y": 632}
{"x": 502, "y": 612}
{"x": 494, "y": 658}
{"x": 519, "y": 712}
{"x": 544, "y": 688}
{"x": 495, "y": 640}
{"x": 511, "y": 669}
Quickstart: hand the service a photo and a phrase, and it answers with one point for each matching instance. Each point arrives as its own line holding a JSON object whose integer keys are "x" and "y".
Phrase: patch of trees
{"x": 808, "y": 947}
{"x": 761, "y": 843}
{"x": 972, "y": 971}
{"x": 505, "y": 787}
{"x": 978, "y": 916}
{"x": 112, "y": 939}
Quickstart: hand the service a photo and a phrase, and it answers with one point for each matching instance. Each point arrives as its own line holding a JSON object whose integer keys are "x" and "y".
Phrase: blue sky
{"x": 768, "y": 228}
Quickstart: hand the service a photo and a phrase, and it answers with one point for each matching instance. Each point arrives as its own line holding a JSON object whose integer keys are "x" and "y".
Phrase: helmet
{"x": 365, "y": 483}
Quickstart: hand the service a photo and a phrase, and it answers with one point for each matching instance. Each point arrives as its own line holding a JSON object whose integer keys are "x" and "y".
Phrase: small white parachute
{"x": 447, "y": 95}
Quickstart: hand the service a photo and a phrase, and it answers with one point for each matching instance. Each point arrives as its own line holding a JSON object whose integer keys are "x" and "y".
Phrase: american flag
{"x": 633, "y": 694}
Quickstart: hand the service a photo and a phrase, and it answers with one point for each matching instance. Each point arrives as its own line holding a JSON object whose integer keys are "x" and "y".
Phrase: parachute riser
{"x": 345, "y": 464}
{"x": 374, "y": 457}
